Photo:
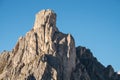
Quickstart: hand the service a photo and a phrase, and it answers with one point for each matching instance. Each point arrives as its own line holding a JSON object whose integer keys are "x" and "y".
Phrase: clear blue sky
{"x": 93, "y": 23}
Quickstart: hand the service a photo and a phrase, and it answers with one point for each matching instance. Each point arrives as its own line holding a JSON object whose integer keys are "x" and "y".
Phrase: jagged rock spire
{"x": 44, "y": 53}
{"x": 45, "y": 17}
{"x": 41, "y": 52}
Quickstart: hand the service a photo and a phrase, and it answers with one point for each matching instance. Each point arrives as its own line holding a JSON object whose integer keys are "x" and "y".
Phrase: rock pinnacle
{"x": 45, "y": 17}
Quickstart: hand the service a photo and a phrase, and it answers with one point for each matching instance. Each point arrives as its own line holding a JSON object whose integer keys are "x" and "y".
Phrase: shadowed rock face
{"x": 45, "y": 53}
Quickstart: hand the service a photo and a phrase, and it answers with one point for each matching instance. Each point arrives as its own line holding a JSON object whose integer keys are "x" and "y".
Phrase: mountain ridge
{"x": 45, "y": 53}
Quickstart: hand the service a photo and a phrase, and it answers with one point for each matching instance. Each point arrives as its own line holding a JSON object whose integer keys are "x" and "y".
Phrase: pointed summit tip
{"x": 46, "y": 10}
{"x": 44, "y": 17}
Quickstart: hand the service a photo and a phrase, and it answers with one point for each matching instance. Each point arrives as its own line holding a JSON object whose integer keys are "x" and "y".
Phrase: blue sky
{"x": 93, "y": 23}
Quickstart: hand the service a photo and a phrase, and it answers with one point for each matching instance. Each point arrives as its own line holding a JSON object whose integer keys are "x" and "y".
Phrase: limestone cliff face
{"x": 45, "y": 53}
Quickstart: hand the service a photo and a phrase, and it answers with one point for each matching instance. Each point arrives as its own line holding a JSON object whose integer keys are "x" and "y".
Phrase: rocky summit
{"x": 45, "y": 53}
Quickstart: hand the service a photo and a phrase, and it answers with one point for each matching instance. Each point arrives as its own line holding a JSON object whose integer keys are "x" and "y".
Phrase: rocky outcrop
{"x": 92, "y": 67}
{"x": 3, "y": 60}
{"x": 45, "y": 53}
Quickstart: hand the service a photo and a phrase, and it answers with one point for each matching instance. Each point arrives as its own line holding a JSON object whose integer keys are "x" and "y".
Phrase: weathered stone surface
{"x": 4, "y": 57}
{"x": 94, "y": 69}
{"x": 45, "y": 53}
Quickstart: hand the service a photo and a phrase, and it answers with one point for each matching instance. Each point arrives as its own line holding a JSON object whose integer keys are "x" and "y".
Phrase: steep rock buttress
{"x": 45, "y": 53}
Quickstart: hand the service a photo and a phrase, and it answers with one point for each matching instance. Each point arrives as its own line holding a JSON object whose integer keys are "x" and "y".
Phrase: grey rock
{"x": 43, "y": 42}
{"x": 45, "y": 53}
{"x": 93, "y": 68}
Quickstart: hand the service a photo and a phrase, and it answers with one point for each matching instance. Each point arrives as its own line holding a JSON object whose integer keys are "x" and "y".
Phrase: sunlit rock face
{"x": 45, "y": 53}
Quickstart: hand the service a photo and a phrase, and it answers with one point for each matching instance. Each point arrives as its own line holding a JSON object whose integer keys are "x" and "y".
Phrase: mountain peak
{"x": 44, "y": 53}
{"x": 45, "y": 17}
